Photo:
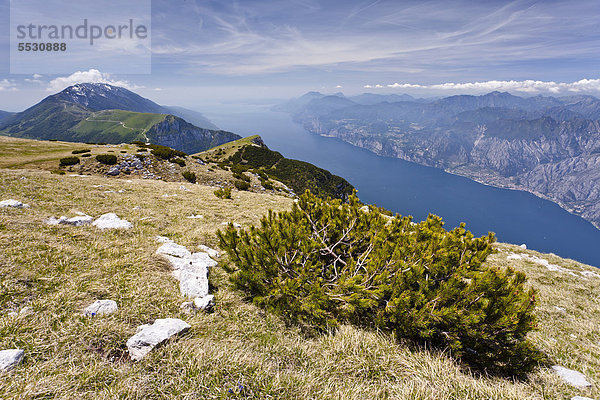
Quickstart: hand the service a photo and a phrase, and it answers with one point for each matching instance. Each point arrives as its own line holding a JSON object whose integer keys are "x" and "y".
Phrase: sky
{"x": 207, "y": 53}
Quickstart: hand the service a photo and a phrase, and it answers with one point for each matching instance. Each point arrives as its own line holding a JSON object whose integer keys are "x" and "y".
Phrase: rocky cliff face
{"x": 178, "y": 134}
{"x": 544, "y": 145}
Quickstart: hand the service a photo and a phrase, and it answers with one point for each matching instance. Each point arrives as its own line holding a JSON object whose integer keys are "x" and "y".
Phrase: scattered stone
{"x": 193, "y": 281}
{"x": 365, "y": 209}
{"x": 137, "y": 208}
{"x": 523, "y": 246}
{"x": 573, "y": 378}
{"x": 211, "y": 252}
{"x": 114, "y": 171}
{"x": 236, "y": 225}
{"x": 111, "y": 221}
{"x": 190, "y": 269}
{"x": 589, "y": 274}
{"x": 173, "y": 249}
{"x": 580, "y": 398}
{"x": 75, "y": 221}
{"x": 163, "y": 239}
{"x": 54, "y": 221}
{"x": 149, "y": 336}
{"x": 100, "y": 307}
{"x": 205, "y": 303}
{"x": 78, "y": 221}
{"x": 514, "y": 256}
{"x": 195, "y": 216}
{"x": 27, "y": 310}
{"x": 10, "y": 358}
{"x": 13, "y": 314}
{"x": 13, "y": 203}
{"x": 561, "y": 309}
{"x": 184, "y": 188}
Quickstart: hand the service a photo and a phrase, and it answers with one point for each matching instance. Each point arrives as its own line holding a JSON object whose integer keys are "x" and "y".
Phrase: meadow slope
{"x": 238, "y": 351}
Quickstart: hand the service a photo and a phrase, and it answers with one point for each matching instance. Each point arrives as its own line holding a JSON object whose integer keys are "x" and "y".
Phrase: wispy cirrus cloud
{"x": 526, "y": 86}
{"x": 246, "y": 38}
{"x": 90, "y": 76}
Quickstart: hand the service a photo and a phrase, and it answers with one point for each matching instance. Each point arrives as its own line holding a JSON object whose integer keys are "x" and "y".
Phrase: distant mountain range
{"x": 549, "y": 146}
{"x": 4, "y": 115}
{"x": 98, "y": 112}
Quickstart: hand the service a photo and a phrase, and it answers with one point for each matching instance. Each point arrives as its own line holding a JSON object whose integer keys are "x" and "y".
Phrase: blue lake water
{"x": 411, "y": 189}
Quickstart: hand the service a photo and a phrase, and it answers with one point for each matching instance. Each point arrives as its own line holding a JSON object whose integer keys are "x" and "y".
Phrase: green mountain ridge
{"x": 80, "y": 114}
{"x": 252, "y": 153}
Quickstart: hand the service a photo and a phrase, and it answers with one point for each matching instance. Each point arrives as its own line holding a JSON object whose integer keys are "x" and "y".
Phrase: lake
{"x": 411, "y": 189}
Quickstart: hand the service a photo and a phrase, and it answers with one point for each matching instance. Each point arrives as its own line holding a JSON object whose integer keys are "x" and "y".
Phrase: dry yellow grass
{"x": 237, "y": 352}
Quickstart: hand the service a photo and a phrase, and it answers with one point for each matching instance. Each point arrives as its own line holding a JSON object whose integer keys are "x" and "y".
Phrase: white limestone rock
{"x": 13, "y": 203}
{"x": 27, "y": 310}
{"x": 211, "y": 252}
{"x": 163, "y": 239}
{"x": 111, "y": 221}
{"x": 205, "y": 303}
{"x": 10, "y": 358}
{"x": 573, "y": 378}
{"x": 580, "y": 398}
{"x": 78, "y": 221}
{"x": 100, "y": 307}
{"x": 193, "y": 281}
{"x": 150, "y": 336}
{"x": 523, "y": 246}
{"x": 173, "y": 249}
{"x": 514, "y": 256}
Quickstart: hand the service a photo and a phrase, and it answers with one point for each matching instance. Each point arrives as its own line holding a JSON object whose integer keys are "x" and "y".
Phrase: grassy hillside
{"x": 115, "y": 126}
{"x": 300, "y": 176}
{"x": 238, "y": 351}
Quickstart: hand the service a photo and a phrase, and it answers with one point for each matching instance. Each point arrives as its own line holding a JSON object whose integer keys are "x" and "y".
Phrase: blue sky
{"x": 212, "y": 52}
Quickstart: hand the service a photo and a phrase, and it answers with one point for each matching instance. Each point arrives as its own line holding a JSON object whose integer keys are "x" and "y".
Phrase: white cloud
{"x": 91, "y": 76}
{"x": 35, "y": 79}
{"x": 8, "y": 86}
{"x": 526, "y": 86}
{"x": 338, "y": 87}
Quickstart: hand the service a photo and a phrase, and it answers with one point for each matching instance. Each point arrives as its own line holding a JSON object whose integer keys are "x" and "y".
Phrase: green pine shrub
{"x": 189, "y": 176}
{"x": 108, "y": 159}
{"x": 166, "y": 153}
{"x": 81, "y": 151}
{"x": 224, "y": 193}
{"x": 241, "y": 177}
{"x": 267, "y": 184}
{"x": 326, "y": 262}
{"x": 86, "y": 155}
{"x": 241, "y": 185}
{"x": 238, "y": 168}
{"x": 65, "y": 161}
{"x": 179, "y": 162}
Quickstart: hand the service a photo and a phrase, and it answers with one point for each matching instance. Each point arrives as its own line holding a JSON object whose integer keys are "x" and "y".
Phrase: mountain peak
{"x": 103, "y": 96}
